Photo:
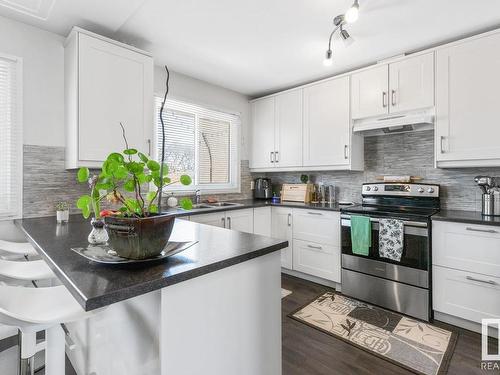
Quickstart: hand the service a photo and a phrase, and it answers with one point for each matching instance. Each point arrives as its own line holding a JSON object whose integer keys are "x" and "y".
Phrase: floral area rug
{"x": 412, "y": 344}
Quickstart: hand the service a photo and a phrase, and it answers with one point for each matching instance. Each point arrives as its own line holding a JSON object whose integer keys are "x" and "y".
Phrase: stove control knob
{"x": 375, "y": 188}
{"x": 368, "y": 188}
{"x": 430, "y": 190}
{"x": 420, "y": 190}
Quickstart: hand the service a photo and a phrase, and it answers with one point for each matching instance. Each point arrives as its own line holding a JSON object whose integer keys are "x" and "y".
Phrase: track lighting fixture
{"x": 349, "y": 17}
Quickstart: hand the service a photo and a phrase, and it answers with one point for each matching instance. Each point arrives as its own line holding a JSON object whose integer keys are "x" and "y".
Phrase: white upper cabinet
{"x": 411, "y": 83}
{"x": 262, "y": 149}
{"x": 404, "y": 85}
{"x": 327, "y": 123}
{"x": 370, "y": 96}
{"x": 288, "y": 129}
{"x": 467, "y": 106}
{"x": 107, "y": 83}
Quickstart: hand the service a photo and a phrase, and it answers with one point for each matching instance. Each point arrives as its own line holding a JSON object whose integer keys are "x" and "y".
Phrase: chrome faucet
{"x": 197, "y": 196}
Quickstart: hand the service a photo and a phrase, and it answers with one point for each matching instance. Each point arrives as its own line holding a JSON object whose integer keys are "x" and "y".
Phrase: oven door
{"x": 415, "y": 250}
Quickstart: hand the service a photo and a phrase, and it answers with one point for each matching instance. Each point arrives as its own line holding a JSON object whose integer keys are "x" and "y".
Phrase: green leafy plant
{"x": 62, "y": 206}
{"x": 130, "y": 171}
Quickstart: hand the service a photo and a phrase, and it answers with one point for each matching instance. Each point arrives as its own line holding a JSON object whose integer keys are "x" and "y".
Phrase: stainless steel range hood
{"x": 397, "y": 123}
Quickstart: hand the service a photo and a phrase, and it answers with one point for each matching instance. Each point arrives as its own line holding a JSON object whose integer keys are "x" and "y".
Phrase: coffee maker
{"x": 262, "y": 188}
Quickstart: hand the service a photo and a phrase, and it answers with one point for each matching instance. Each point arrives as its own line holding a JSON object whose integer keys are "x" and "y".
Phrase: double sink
{"x": 204, "y": 206}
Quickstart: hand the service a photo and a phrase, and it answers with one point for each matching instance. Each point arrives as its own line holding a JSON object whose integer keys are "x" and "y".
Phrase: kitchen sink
{"x": 201, "y": 206}
{"x": 224, "y": 204}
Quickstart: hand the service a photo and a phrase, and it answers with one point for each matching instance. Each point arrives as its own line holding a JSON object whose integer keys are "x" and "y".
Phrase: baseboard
{"x": 314, "y": 279}
{"x": 463, "y": 323}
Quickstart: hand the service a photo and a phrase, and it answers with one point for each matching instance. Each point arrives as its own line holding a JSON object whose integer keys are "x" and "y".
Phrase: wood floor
{"x": 307, "y": 351}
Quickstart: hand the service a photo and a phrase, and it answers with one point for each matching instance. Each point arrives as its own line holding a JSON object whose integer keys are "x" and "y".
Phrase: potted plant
{"x": 137, "y": 230}
{"x": 62, "y": 212}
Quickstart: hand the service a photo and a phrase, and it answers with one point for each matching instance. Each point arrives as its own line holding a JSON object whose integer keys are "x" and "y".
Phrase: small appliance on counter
{"x": 490, "y": 187}
{"x": 262, "y": 188}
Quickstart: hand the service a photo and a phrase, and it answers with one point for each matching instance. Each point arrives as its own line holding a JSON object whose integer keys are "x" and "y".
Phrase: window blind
{"x": 10, "y": 139}
{"x": 201, "y": 142}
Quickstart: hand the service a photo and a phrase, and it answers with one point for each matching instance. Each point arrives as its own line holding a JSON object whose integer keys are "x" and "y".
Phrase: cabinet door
{"x": 217, "y": 219}
{"x": 317, "y": 226}
{"x": 370, "y": 92}
{"x": 411, "y": 83}
{"x": 317, "y": 259}
{"x": 241, "y": 220}
{"x": 467, "y": 107}
{"x": 288, "y": 129}
{"x": 282, "y": 229}
{"x": 327, "y": 123}
{"x": 115, "y": 85}
{"x": 262, "y": 221}
{"x": 262, "y": 145}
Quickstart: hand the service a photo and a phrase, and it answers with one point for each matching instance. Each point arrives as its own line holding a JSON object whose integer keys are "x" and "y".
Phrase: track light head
{"x": 328, "y": 61}
{"x": 352, "y": 13}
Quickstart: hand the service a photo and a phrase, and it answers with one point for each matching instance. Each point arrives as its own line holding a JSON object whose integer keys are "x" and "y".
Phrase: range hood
{"x": 396, "y": 123}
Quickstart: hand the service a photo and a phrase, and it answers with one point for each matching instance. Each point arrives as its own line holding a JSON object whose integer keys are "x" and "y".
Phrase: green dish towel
{"x": 361, "y": 234}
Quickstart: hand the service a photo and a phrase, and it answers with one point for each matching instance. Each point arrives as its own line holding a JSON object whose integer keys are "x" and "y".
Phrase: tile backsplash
{"x": 46, "y": 181}
{"x": 402, "y": 154}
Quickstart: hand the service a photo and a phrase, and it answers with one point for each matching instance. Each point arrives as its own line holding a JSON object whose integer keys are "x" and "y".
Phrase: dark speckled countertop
{"x": 467, "y": 217}
{"x": 97, "y": 285}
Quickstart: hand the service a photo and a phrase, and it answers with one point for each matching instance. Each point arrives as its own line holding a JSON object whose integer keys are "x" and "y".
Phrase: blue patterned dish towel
{"x": 391, "y": 239}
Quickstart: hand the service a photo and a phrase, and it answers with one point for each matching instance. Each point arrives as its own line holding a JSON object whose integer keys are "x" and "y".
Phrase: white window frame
{"x": 234, "y": 186}
{"x": 17, "y": 213}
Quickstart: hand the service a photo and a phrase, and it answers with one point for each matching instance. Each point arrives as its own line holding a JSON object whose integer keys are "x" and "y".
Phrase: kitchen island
{"x": 214, "y": 308}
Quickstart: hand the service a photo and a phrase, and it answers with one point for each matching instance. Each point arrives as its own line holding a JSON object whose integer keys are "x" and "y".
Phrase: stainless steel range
{"x": 403, "y": 285}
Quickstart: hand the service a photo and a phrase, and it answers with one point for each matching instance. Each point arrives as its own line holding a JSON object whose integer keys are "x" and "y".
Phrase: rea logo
{"x": 486, "y": 324}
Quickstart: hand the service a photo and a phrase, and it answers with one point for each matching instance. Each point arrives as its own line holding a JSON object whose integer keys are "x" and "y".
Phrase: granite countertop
{"x": 467, "y": 217}
{"x": 97, "y": 285}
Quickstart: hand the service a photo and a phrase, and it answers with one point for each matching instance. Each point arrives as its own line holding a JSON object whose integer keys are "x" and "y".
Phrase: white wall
{"x": 43, "y": 80}
{"x": 43, "y": 87}
{"x": 200, "y": 92}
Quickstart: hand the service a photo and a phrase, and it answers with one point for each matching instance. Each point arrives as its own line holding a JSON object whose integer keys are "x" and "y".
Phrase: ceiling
{"x": 261, "y": 46}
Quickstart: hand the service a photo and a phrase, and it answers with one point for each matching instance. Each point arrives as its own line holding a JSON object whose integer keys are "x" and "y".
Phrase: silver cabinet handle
{"x": 223, "y": 222}
{"x": 441, "y": 140}
{"x": 393, "y": 97}
{"x": 276, "y": 160}
{"x": 315, "y": 247}
{"x": 149, "y": 147}
{"x": 481, "y": 230}
{"x": 490, "y": 282}
{"x": 289, "y": 220}
{"x": 315, "y": 213}
{"x": 346, "y": 155}
{"x": 229, "y": 223}
{"x": 271, "y": 157}
{"x": 384, "y": 97}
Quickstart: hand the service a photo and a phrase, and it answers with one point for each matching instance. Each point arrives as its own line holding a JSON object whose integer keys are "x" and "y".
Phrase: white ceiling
{"x": 259, "y": 46}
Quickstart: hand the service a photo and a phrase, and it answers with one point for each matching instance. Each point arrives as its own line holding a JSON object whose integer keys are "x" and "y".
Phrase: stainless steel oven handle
{"x": 408, "y": 223}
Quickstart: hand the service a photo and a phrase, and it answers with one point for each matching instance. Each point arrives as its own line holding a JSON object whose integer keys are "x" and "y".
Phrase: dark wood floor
{"x": 307, "y": 351}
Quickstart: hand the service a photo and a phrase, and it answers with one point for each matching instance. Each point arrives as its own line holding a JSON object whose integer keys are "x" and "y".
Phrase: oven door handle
{"x": 407, "y": 223}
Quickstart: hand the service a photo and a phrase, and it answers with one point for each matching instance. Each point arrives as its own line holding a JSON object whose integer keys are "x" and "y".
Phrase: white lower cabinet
{"x": 217, "y": 219}
{"x": 262, "y": 221}
{"x": 466, "y": 270}
{"x": 240, "y": 220}
{"x": 465, "y": 294}
{"x": 316, "y": 243}
{"x": 317, "y": 259}
{"x": 282, "y": 229}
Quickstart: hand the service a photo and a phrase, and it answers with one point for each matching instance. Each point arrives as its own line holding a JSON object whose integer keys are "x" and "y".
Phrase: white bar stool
{"x": 18, "y": 248}
{"x": 36, "y": 309}
{"x": 27, "y": 270}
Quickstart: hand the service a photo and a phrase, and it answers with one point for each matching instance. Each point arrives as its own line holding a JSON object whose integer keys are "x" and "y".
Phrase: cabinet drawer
{"x": 316, "y": 226}
{"x": 317, "y": 259}
{"x": 467, "y": 247}
{"x": 465, "y": 294}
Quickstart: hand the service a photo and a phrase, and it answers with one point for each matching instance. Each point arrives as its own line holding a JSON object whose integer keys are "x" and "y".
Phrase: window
{"x": 202, "y": 143}
{"x": 10, "y": 138}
